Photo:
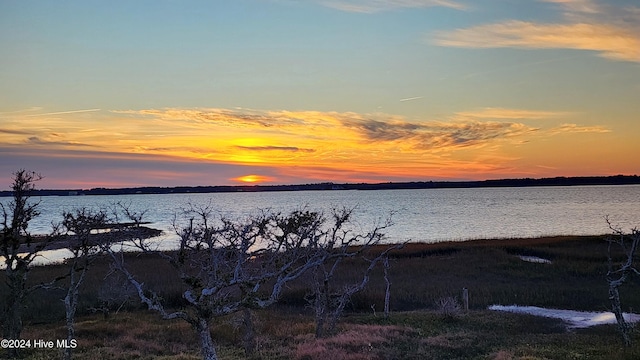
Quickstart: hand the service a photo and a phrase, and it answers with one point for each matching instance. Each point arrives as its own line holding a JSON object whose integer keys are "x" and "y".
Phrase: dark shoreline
{"x": 523, "y": 182}
{"x": 66, "y": 241}
{"x": 419, "y": 247}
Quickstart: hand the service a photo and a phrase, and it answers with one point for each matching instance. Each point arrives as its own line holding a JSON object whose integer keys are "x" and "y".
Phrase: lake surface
{"x": 428, "y": 215}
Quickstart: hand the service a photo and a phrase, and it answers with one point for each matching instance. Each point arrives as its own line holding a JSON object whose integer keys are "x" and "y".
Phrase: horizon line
{"x": 636, "y": 178}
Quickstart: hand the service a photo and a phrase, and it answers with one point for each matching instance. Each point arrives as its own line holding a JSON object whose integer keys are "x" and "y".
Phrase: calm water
{"x": 429, "y": 215}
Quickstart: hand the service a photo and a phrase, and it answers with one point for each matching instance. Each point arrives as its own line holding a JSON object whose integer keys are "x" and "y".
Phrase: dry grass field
{"x": 418, "y": 328}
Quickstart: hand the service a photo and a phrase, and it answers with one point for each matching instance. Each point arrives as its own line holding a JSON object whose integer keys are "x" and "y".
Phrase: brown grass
{"x": 420, "y": 274}
{"x": 354, "y": 342}
{"x": 129, "y": 335}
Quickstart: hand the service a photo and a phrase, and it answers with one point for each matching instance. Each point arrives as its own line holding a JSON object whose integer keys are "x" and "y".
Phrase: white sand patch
{"x": 575, "y": 319}
{"x": 535, "y": 259}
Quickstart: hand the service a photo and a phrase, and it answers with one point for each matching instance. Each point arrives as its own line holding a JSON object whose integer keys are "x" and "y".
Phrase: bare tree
{"x": 387, "y": 290}
{"x": 619, "y": 272}
{"x": 337, "y": 244}
{"x": 114, "y": 293}
{"x": 227, "y": 266}
{"x": 19, "y": 249}
{"x": 79, "y": 227}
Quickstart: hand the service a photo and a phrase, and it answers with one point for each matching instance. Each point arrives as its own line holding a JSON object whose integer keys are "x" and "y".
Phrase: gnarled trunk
{"x": 387, "y": 292}
{"x": 70, "y": 305}
{"x": 623, "y": 326}
{"x": 322, "y": 303}
{"x": 207, "y": 348}
{"x": 249, "y": 338}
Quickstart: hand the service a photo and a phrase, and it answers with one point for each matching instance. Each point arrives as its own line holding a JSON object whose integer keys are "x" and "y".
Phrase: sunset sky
{"x": 170, "y": 93}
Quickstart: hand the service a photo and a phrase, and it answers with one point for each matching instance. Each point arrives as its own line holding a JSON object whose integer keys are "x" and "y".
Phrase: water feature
{"x": 429, "y": 215}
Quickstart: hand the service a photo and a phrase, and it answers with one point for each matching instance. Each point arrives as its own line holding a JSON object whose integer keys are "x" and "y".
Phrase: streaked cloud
{"x": 609, "y": 41}
{"x": 584, "y": 6}
{"x": 504, "y": 113}
{"x": 438, "y": 135}
{"x": 612, "y": 32}
{"x": 273, "y": 148}
{"x": 220, "y": 132}
{"x": 300, "y": 145}
{"x": 575, "y": 128}
{"x": 65, "y": 112}
{"x": 374, "y": 6}
{"x": 34, "y": 140}
{"x": 411, "y": 98}
{"x": 11, "y": 113}
{"x": 14, "y": 132}
{"x": 219, "y": 116}
{"x": 353, "y": 128}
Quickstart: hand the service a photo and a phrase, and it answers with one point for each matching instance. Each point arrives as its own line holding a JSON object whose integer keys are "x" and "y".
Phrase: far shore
{"x": 522, "y": 182}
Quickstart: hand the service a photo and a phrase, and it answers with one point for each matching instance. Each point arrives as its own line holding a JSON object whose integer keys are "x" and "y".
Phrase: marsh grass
{"x": 408, "y": 335}
{"x": 420, "y": 274}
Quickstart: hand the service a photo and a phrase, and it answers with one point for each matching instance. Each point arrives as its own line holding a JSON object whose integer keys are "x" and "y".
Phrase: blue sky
{"x": 558, "y": 76}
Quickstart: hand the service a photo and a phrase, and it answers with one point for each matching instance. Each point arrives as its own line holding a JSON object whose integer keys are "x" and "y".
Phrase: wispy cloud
{"x": 198, "y": 117}
{"x": 438, "y": 135}
{"x": 332, "y": 126}
{"x": 14, "y": 132}
{"x": 34, "y": 140}
{"x": 319, "y": 131}
{"x": 411, "y": 98}
{"x": 334, "y": 142}
{"x": 65, "y": 112}
{"x": 609, "y": 41}
{"x": 504, "y": 113}
{"x": 575, "y": 128}
{"x": 12, "y": 113}
{"x": 374, "y": 6}
{"x": 583, "y": 6}
{"x": 587, "y": 26}
{"x": 273, "y": 148}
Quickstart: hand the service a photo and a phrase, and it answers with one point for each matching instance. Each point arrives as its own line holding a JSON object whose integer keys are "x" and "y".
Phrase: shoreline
{"x": 425, "y": 248}
{"x": 500, "y": 242}
{"x": 330, "y": 186}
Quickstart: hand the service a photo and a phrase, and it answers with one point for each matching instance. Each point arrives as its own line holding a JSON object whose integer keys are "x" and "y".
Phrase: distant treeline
{"x": 556, "y": 181}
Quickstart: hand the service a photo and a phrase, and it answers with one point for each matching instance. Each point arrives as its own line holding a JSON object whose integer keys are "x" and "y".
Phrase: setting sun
{"x": 252, "y": 179}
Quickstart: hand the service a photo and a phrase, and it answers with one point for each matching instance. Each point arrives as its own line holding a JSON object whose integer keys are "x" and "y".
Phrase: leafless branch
{"x": 618, "y": 272}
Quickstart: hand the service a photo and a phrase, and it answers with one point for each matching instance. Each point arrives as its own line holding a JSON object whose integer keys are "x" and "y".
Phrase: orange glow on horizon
{"x": 312, "y": 146}
{"x": 253, "y": 179}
